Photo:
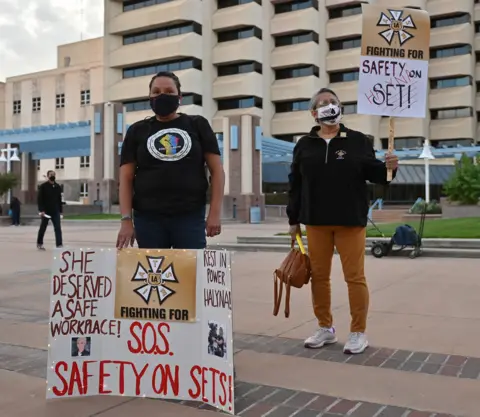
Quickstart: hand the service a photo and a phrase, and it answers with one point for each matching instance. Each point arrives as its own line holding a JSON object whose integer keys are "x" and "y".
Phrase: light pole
{"x": 9, "y": 155}
{"x": 427, "y": 155}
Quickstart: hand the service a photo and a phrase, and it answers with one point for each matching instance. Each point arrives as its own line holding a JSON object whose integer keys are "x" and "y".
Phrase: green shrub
{"x": 276, "y": 199}
{"x": 432, "y": 208}
{"x": 7, "y": 182}
{"x": 463, "y": 186}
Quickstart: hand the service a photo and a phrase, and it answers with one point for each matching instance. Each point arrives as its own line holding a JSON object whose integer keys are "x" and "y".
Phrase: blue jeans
{"x": 185, "y": 231}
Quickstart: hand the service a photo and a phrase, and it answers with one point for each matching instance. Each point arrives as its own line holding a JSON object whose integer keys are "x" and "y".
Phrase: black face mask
{"x": 51, "y": 178}
{"x": 164, "y": 104}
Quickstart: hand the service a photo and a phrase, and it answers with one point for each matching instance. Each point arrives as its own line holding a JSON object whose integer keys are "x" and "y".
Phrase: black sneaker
{"x": 40, "y": 247}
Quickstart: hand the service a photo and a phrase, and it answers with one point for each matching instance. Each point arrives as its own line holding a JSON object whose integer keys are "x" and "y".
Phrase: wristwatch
{"x": 128, "y": 217}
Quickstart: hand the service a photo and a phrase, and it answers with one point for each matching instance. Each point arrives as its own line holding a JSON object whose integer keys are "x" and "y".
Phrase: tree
{"x": 464, "y": 185}
{"x": 7, "y": 182}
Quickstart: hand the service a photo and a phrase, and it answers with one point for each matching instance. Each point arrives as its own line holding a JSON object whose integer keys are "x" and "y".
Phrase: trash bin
{"x": 255, "y": 215}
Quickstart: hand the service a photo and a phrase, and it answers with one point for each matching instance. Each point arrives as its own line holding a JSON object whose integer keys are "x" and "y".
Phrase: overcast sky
{"x": 30, "y": 31}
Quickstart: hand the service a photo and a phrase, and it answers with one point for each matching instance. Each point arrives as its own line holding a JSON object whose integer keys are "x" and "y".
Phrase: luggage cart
{"x": 404, "y": 238}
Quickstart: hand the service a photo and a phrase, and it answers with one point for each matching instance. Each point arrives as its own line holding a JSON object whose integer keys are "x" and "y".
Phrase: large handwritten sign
{"x": 393, "y": 78}
{"x": 142, "y": 323}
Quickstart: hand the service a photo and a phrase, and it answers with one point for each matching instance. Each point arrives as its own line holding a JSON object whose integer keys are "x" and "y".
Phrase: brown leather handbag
{"x": 293, "y": 272}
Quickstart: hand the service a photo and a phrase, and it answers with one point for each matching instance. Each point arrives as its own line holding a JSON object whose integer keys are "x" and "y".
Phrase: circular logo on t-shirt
{"x": 169, "y": 144}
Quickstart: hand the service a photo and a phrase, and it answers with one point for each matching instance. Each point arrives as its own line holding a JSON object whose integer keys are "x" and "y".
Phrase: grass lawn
{"x": 93, "y": 217}
{"x": 465, "y": 228}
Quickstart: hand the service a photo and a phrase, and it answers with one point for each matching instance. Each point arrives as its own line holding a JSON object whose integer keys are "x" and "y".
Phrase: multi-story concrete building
{"x": 266, "y": 58}
{"x": 236, "y": 57}
{"x": 59, "y": 96}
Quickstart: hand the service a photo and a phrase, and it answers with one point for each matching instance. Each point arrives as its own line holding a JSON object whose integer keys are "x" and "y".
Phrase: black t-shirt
{"x": 170, "y": 175}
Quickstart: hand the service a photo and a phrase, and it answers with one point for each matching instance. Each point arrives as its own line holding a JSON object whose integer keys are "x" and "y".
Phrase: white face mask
{"x": 328, "y": 115}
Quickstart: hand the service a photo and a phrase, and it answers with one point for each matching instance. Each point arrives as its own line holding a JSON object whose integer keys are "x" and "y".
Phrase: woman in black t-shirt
{"x": 163, "y": 180}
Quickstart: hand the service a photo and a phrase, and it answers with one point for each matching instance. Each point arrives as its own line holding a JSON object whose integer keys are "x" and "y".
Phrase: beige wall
{"x": 84, "y": 72}
{"x": 211, "y": 87}
{"x": 2, "y": 105}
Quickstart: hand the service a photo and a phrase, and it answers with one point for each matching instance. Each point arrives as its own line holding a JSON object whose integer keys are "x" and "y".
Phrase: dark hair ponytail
{"x": 167, "y": 74}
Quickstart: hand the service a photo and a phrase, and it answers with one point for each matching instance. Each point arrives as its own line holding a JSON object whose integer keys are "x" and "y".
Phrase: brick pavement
{"x": 251, "y": 400}
{"x": 422, "y": 363}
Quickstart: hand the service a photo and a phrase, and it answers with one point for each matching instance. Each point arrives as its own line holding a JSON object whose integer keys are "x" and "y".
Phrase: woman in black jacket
{"x": 328, "y": 194}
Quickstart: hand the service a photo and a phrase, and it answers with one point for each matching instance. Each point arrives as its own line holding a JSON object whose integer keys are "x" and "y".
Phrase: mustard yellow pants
{"x": 350, "y": 244}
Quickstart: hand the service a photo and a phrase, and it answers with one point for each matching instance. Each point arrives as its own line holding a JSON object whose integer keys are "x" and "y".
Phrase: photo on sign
{"x": 81, "y": 346}
{"x": 217, "y": 339}
{"x": 156, "y": 285}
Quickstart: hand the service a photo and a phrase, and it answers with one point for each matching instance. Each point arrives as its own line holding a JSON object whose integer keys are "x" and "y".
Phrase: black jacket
{"x": 50, "y": 198}
{"x": 328, "y": 182}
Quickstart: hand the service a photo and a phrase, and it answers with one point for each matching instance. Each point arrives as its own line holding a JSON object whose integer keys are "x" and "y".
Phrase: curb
{"x": 472, "y": 244}
{"x": 427, "y": 252}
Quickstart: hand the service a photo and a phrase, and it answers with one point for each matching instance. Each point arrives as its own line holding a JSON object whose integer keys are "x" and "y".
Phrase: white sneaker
{"x": 323, "y": 336}
{"x": 356, "y": 343}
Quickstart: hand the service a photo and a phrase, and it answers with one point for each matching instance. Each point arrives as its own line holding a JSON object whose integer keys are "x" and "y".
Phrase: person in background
{"x": 163, "y": 183}
{"x": 50, "y": 207}
{"x": 15, "y": 208}
{"x": 328, "y": 194}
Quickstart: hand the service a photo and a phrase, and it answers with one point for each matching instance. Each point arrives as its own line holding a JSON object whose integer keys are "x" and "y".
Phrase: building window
{"x": 288, "y": 106}
{"x": 191, "y": 99}
{"x": 17, "y": 106}
{"x": 60, "y": 101}
{"x": 296, "y": 72}
{"x": 138, "y": 105}
{"x": 450, "y": 143}
{"x": 84, "y": 189}
{"x": 451, "y": 51}
{"x": 143, "y": 105}
{"x": 38, "y": 164}
{"x": 295, "y": 5}
{"x": 345, "y": 43}
{"x": 242, "y": 33}
{"x": 222, "y": 4}
{"x": 165, "y": 32}
{"x": 404, "y": 143}
{"x": 477, "y": 27}
{"x": 84, "y": 97}
{"x": 451, "y": 113}
{"x": 36, "y": 104}
{"x": 338, "y": 12}
{"x": 241, "y": 68}
{"x": 84, "y": 162}
{"x": 59, "y": 163}
{"x": 153, "y": 69}
{"x": 128, "y": 6}
{"x": 349, "y": 108}
{"x": 239, "y": 103}
{"x": 296, "y": 38}
{"x": 343, "y": 76}
{"x": 450, "y": 20}
{"x": 450, "y": 82}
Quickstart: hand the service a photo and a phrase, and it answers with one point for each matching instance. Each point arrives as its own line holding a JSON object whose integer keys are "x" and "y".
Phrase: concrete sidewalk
{"x": 424, "y": 360}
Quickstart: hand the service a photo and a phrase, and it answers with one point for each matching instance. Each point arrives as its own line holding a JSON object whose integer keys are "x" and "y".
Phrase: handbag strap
{"x": 277, "y": 294}
{"x": 287, "y": 300}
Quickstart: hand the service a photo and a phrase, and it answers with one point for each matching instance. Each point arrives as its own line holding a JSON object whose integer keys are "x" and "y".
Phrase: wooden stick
{"x": 391, "y": 147}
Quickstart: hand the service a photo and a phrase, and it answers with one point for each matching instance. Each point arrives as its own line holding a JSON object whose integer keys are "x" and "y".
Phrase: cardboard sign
{"x": 393, "y": 78}
{"x": 141, "y": 323}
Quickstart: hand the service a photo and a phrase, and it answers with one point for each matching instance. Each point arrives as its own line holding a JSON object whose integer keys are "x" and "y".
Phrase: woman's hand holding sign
{"x": 391, "y": 161}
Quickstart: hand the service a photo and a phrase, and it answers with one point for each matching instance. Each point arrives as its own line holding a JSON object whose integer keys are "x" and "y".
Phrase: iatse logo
{"x": 398, "y": 26}
{"x": 155, "y": 279}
